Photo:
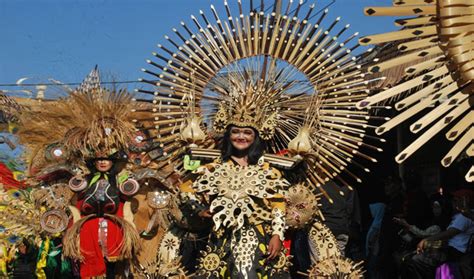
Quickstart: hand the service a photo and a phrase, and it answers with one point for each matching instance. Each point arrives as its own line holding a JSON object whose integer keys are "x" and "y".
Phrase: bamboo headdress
{"x": 91, "y": 122}
{"x": 247, "y": 109}
{"x": 277, "y": 70}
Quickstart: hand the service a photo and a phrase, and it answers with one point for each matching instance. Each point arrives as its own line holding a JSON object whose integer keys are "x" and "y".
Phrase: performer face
{"x": 242, "y": 138}
{"x": 103, "y": 165}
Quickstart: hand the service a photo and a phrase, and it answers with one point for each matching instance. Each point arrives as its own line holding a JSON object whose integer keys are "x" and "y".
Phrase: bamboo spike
{"x": 416, "y": 21}
{"x": 429, "y": 64}
{"x": 300, "y": 4}
{"x": 403, "y": 87}
{"x": 256, "y": 34}
{"x": 399, "y": 35}
{"x": 470, "y": 175}
{"x": 432, "y": 88}
{"x": 248, "y": 33}
{"x": 284, "y": 34}
{"x": 333, "y": 24}
{"x": 412, "y": 2}
{"x": 403, "y": 59}
{"x": 458, "y": 148}
{"x": 229, "y": 15}
{"x": 302, "y": 58}
{"x": 216, "y": 60}
{"x": 144, "y": 91}
{"x": 401, "y": 10}
{"x": 424, "y": 103}
{"x": 323, "y": 15}
{"x": 470, "y": 150}
{"x": 304, "y": 62}
{"x": 274, "y": 35}
{"x": 176, "y": 121}
{"x": 316, "y": 51}
{"x": 241, "y": 41}
{"x": 420, "y": 141}
{"x": 437, "y": 112}
{"x": 461, "y": 126}
{"x": 458, "y": 20}
{"x": 218, "y": 20}
{"x": 225, "y": 50}
{"x": 235, "y": 50}
{"x": 418, "y": 44}
{"x": 297, "y": 46}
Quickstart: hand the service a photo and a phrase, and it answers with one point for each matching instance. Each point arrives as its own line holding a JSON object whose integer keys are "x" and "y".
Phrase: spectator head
{"x": 463, "y": 199}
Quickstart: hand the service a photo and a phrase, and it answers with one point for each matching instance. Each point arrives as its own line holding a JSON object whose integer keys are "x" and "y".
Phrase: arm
{"x": 278, "y": 216}
{"x": 445, "y": 235}
{"x": 430, "y": 231}
{"x": 278, "y": 226}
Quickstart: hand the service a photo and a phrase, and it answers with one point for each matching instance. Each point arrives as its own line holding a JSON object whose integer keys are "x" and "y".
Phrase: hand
{"x": 205, "y": 213}
{"x": 421, "y": 246}
{"x": 402, "y": 222}
{"x": 274, "y": 247}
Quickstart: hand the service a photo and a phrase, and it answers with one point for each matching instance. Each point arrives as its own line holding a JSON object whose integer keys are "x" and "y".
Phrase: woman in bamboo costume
{"x": 244, "y": 196}
{"x": 273, "y": 70}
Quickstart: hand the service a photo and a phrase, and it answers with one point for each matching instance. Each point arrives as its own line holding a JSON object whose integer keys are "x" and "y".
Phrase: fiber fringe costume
{"x": 64, "y": 138}
{"x": 100, "y": 217}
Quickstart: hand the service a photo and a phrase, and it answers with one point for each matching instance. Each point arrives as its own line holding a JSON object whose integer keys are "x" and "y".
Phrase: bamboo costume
{"x": 248, "y": 206}
{"x": 275, "y": 70}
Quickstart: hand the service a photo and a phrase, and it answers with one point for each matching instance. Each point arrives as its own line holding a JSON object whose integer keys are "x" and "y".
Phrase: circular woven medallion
{"x": 54, "y": 221}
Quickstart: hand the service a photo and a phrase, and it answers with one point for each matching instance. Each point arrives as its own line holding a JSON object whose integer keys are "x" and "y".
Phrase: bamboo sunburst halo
{"x": 305, "y": 73}
{"x": 439, "y": 36}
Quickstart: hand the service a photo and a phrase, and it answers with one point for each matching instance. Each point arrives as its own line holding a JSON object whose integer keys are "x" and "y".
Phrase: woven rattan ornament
{"x": 301, "y": 206}
{"x": 437, "y": 39}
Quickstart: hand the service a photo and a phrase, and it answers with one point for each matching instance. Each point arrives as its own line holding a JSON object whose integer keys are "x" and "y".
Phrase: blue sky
{"x": 64, "y": 39}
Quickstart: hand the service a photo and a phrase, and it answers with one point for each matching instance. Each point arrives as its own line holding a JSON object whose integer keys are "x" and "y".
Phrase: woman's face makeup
{"x": 242, "y": 138}
{"x": 103, "y": 165}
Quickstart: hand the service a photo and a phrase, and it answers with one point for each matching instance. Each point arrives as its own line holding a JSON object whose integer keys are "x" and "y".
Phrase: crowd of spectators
{"x": 402, "y": 231}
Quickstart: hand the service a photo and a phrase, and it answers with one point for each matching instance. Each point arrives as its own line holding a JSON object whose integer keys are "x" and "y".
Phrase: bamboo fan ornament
{"x": 265, "y": 65}
{"x": 438, "y": 37}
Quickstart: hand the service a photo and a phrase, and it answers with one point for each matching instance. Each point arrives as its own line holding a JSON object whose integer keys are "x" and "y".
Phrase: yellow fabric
{"x": 3, "y": 260}
{"x": 187, "y": 186}
{"x": 278, "y": 203}
{"x": 41, "y": 264}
